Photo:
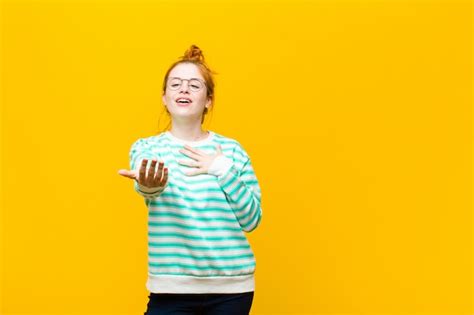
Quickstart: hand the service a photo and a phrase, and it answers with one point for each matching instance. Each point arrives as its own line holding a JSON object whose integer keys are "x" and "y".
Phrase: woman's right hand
{"x": 151, "y": 179}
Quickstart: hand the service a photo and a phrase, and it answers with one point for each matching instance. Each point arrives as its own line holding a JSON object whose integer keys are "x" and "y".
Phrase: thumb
{"x": 127, "y": 173}
{"x": 219, "y": 148}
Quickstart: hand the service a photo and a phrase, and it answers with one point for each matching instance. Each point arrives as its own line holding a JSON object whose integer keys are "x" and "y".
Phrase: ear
{"x": 209, "y": 103}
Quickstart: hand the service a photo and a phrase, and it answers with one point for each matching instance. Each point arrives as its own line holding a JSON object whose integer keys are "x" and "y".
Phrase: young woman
{"x": 202, "y": 194}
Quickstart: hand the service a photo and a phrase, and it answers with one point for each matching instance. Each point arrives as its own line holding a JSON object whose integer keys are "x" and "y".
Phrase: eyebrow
{"x": 181, "y": 78}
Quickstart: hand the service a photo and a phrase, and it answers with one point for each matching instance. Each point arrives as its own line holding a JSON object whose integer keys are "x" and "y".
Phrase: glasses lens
{"x": 174, "y": 84}
{"x": 195, "y": 85}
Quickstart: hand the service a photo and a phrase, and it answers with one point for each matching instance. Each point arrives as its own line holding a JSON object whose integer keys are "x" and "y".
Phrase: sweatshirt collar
{"x": 206, "y": 140}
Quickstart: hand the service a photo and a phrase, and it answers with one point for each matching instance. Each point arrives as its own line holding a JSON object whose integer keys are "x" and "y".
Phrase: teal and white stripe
{"x": 196, "y": 224}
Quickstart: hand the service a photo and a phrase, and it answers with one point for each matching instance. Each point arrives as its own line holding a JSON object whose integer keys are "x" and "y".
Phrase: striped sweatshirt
{"x": 196, "y": 224}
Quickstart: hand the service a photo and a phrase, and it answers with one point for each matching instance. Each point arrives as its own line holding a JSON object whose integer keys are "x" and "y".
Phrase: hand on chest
{"x": 194, "y": 161}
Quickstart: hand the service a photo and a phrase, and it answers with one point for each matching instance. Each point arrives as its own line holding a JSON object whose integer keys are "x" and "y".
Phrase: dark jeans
{"x": 199, "y": 303}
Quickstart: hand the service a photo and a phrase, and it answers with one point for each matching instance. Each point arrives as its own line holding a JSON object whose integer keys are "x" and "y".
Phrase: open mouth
{"x": 183, "y": 101}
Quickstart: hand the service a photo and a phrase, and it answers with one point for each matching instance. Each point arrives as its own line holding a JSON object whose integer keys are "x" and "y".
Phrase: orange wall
{"x": 356, "y": 115}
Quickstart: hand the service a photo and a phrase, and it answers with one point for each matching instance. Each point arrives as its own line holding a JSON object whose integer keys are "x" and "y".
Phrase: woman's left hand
{"x": 202, "y": 161}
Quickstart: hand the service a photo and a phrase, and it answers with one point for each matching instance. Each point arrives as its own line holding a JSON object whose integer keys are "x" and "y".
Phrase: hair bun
{"x": 193, "y": 53}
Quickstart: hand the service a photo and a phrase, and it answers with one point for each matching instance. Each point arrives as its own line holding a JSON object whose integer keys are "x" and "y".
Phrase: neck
{"x": 189, "y": 132}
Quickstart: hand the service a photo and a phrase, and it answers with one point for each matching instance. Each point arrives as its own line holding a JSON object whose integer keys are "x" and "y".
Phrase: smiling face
{"x": 198, "y": 99}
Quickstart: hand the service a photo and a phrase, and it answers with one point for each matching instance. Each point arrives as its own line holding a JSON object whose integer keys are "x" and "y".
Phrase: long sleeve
{"x": 196, "y": 227}
{"x": 241, "y": 188}
{"x": 140, "y": 150}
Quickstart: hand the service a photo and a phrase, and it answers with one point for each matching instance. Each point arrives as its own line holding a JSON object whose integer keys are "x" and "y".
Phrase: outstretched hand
{"x": 150, "y": 179}
{"x": 202, "y": 161}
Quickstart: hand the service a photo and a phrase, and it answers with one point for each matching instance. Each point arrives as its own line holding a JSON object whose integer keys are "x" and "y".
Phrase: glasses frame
{"x": 181, "y": 84}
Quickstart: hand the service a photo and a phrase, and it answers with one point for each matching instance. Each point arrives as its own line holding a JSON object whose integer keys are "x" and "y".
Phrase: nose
{"x": 184, "y": 87}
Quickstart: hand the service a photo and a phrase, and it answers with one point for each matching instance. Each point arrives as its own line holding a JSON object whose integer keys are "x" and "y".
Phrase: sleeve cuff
{"x": 220, "y": 165}
{"x": 149, "y": 190}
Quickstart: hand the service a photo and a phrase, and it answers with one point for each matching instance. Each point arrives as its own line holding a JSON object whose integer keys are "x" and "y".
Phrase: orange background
{"x": 356, "y": 115}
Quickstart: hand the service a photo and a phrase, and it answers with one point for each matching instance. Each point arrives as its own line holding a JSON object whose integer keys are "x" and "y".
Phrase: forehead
{"x": 186, "y": 71}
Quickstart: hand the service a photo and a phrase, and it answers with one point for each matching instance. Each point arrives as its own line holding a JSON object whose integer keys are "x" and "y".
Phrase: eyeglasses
{"x": 194, "y": 84}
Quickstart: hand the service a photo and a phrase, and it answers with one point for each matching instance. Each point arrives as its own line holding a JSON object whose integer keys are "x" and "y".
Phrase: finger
{"x": 127, "y": 173}
{"x": 190, "y": 154}
{"x": 187, "y": 163}
{"x": 165, "y": 177}
{"x": 194, "y": 150}
{"x": 151, "y": 171}
{"x": 142, "y": 176}
{"x": 194, "y": 172}
{"x": 159, "y": 173}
